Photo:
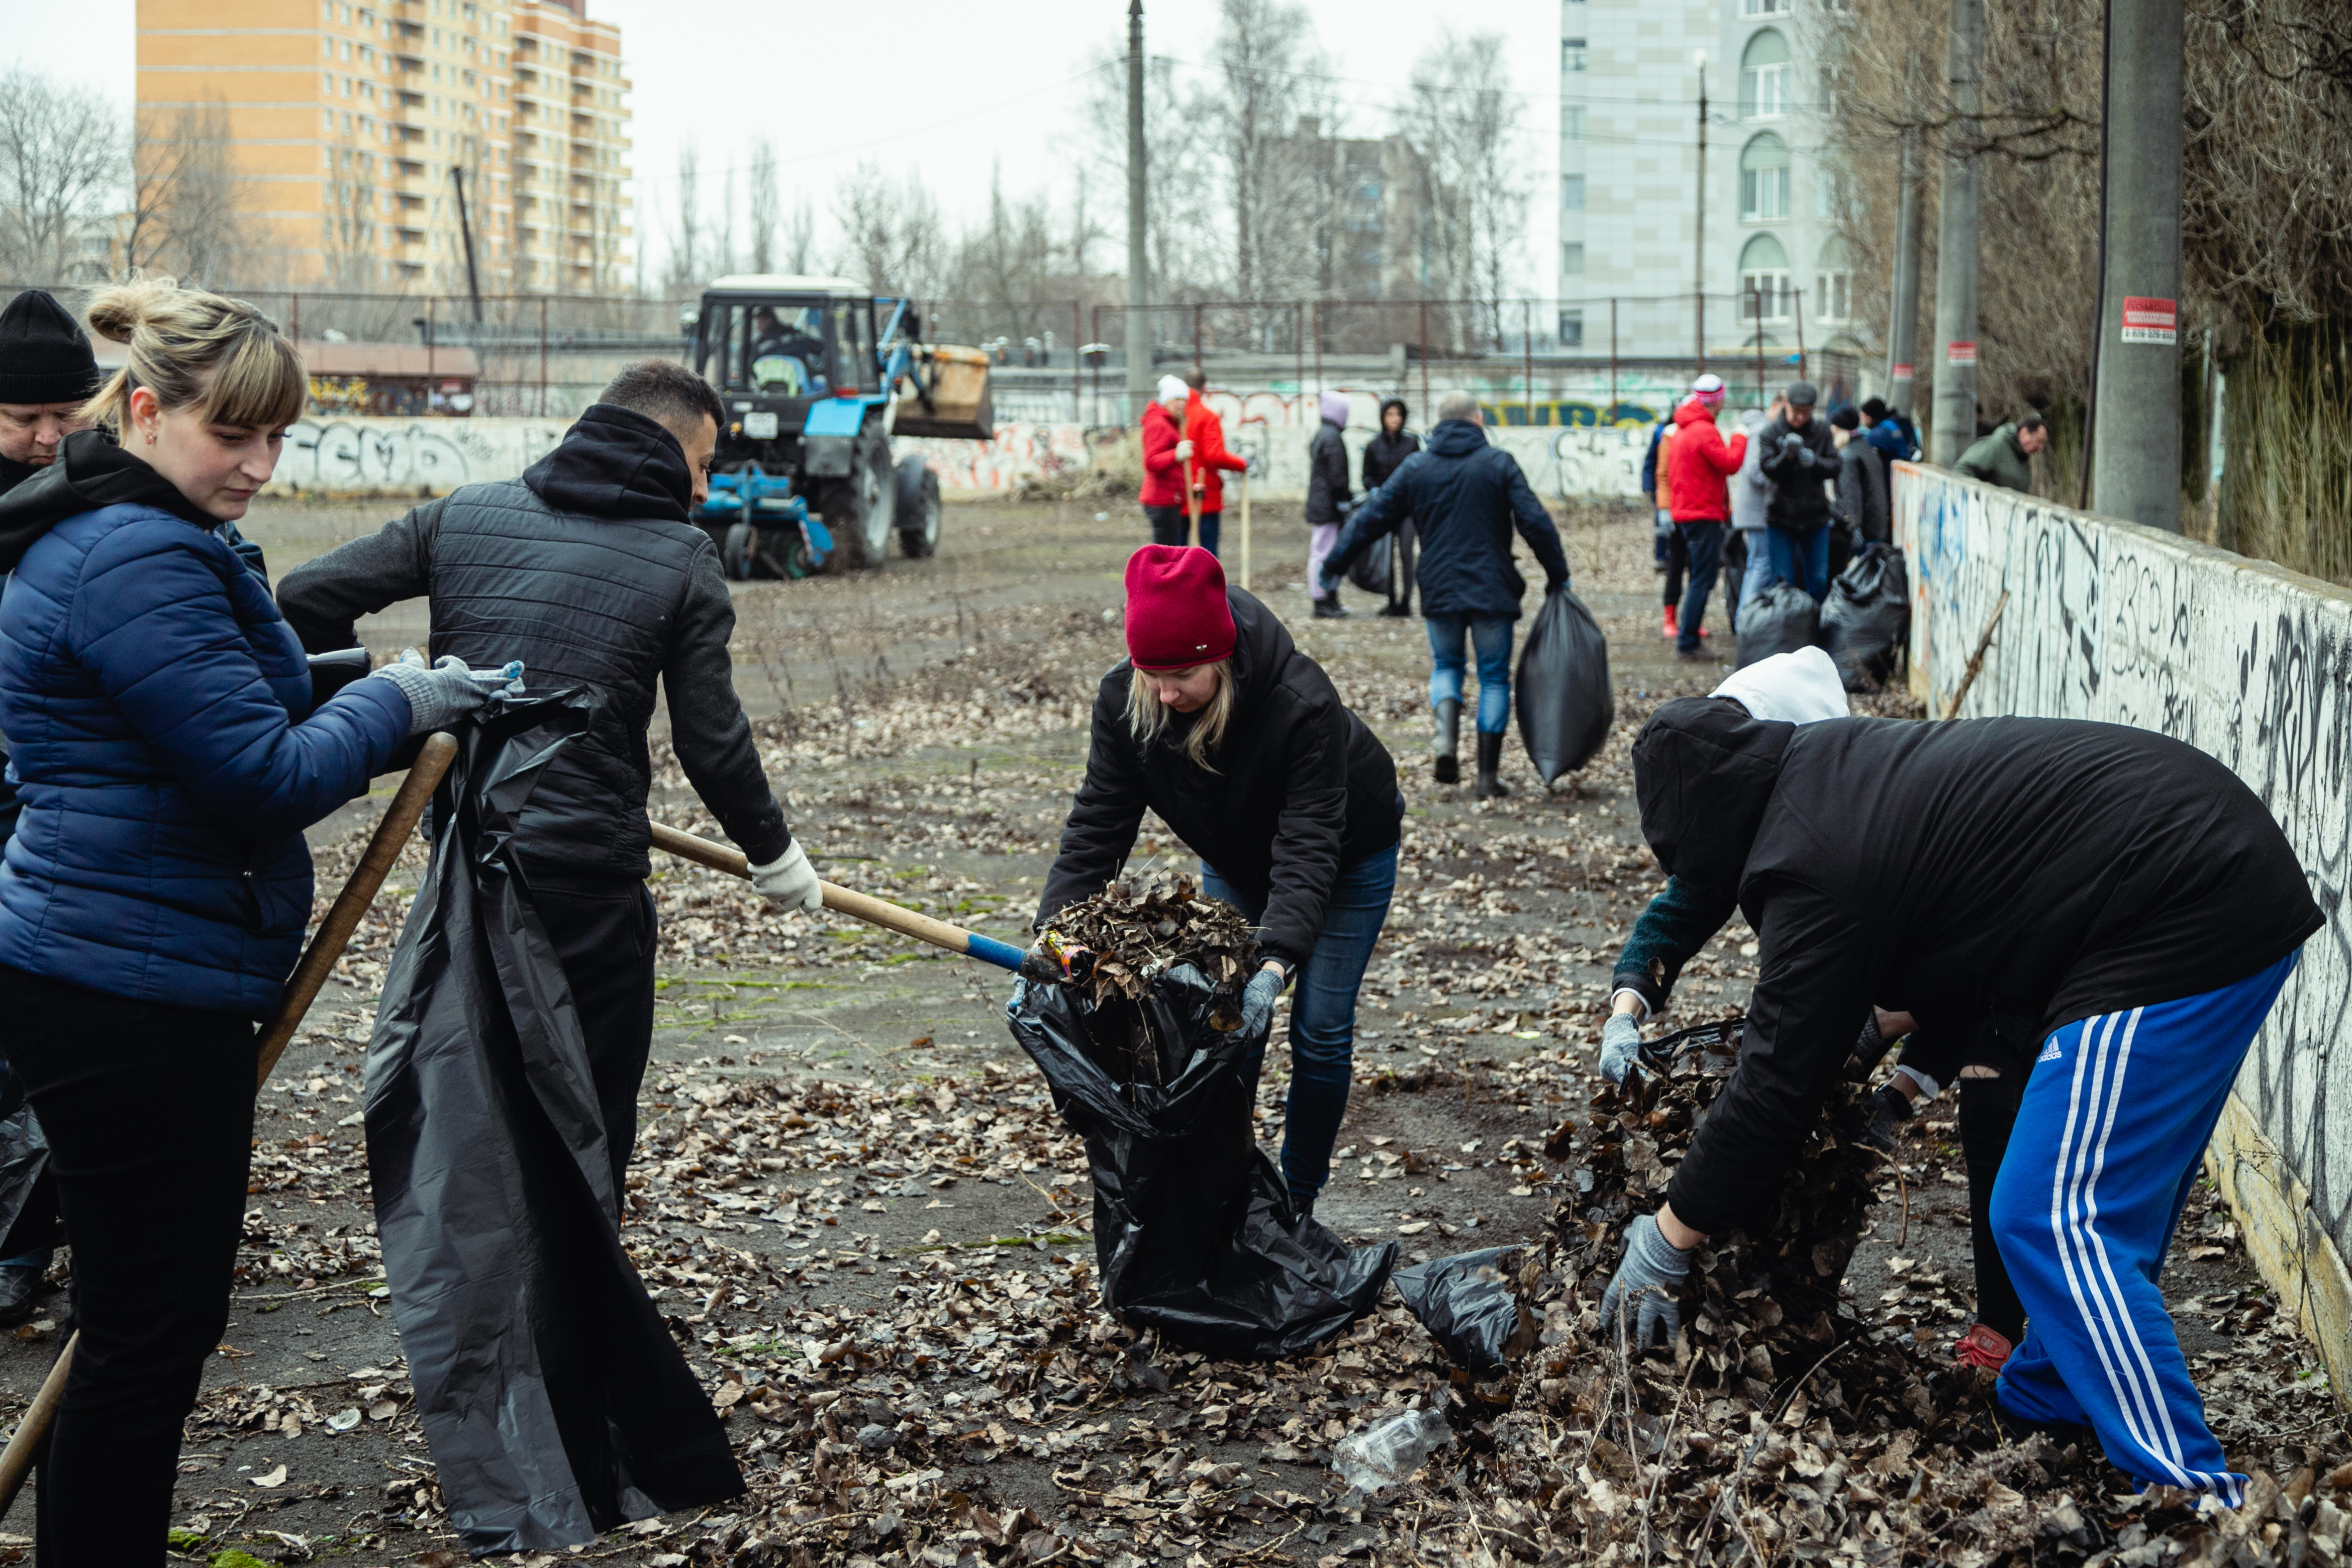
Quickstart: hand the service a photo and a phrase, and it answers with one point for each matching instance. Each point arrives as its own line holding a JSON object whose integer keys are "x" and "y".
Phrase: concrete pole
{"x": 2135, "y": 411}
{"x": 1903, "y": 313}
{"x": 1698, "y": 232}
{"x": 1955, "y": 423}
{"x": 1138, "y": 334}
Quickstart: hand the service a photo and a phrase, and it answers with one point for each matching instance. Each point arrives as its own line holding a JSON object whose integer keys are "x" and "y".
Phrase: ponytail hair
{"x": 221, "y": 358}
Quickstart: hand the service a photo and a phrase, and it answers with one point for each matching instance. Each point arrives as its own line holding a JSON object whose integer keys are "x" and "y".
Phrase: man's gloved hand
{"x": 1890, "y": 1108}
{"x": 1257, "y": 1001}
{"x": 1327, "y": 583}
{"x": 438, "y": 696}
{"x": 1621, "y": 1041}
{"x": 1653, "y": 1270}
{"x": 1791, "y": 442}
{"x": 789, "y": 879}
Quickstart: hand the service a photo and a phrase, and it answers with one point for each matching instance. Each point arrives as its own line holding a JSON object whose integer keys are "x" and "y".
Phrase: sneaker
{"x": 1672, "y": 631}
{"x": 1982, "y": 1348}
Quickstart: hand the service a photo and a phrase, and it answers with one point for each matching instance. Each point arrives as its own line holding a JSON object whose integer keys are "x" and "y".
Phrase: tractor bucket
{"x": 946, "y": 394}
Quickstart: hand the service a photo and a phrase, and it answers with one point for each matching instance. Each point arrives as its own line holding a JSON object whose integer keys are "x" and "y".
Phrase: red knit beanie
{"x": 1176, "y": 611}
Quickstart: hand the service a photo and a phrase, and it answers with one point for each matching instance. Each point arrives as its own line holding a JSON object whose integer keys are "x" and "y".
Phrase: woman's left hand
{"x": 1258, "y": 1000}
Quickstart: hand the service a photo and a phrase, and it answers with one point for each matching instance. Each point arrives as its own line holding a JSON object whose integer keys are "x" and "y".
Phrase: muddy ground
{"x": 851, "y": 1197}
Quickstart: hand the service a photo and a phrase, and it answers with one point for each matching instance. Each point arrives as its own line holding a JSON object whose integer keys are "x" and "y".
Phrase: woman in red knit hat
{"x": 1218, "y": 723}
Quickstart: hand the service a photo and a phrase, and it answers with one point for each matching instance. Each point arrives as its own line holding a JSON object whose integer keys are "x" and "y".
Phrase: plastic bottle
{"x": 1386, "y": 1453}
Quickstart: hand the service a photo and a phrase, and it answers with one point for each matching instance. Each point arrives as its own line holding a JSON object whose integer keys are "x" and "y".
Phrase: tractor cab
{"x": 773, "y": 345}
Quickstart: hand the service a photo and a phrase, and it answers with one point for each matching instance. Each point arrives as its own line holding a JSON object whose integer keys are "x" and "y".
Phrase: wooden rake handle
{"x": 317, "y": 962}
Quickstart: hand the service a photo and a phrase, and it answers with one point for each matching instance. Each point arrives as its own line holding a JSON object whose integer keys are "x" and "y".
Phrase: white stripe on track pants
{"x": 2108, "y": 1140}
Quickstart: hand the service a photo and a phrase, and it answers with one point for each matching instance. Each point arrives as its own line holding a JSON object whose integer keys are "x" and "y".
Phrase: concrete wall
{"x": 362, "y": 456}
{"x": 2247, "y": 661}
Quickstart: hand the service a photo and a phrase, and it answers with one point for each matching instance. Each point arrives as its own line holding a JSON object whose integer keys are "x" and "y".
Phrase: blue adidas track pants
{"x": 2109, "y": 1140}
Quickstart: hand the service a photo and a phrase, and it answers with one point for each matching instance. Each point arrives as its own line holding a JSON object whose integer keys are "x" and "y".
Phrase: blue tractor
{"x": 818, "y": 375}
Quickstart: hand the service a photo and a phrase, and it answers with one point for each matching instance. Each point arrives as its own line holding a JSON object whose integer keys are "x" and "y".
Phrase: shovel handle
{"x": 317, "y": 962}
{"x": 841, "y": 901}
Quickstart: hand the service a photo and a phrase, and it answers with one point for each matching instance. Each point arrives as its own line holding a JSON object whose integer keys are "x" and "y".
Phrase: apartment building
{"x": 1774, "y": 267}
{"x": 363, "y": 144}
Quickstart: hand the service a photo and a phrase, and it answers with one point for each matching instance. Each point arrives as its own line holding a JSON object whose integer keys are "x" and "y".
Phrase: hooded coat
{"x": 587, "y": 570}
{"x": 1385, "y": 453}
{"x": 1211, "y": 459}
{"x": 1862, "y": 503}
{"x": 1697, "y": 463}
{"x": 1997, "y": 459}
{"x": 1299, "y": 788}
{"x": 2049, "y": 867}
{"x": 1326, "y": 474}
{"x": 1464, "y": 497}
{"x": 1163, "y": 476}
{"x": 158, "y": 716}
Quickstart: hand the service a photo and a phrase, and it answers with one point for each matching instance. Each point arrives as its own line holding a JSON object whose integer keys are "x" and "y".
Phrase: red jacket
{"x": 1207, "y": 434}
{"x": 1697, "y": 461}
{"x": 1163, "y": 476}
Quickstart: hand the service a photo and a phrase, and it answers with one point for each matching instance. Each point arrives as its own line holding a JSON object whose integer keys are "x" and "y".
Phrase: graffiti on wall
{"x": 1021, "y": 454}
{"x": 2249, "y": 663}
{"x": 407, "y": 456}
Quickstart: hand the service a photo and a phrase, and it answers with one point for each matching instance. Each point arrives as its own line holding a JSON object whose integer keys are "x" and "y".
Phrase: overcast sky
{"x": 949, "y": 89}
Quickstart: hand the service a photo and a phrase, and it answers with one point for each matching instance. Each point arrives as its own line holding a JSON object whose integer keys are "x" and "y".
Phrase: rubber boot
{"x": 1490, "y": 761}
{"x": 1445, "y": 769}
{"x": 1672, "y": 630}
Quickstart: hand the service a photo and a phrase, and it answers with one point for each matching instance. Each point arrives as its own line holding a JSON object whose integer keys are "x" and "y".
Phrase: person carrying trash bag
{"x": 1217, "y": 722}
{"x": 2120, "y": 887}
{"x": 1464, "y": 496}
{"x": 155, "y": 894}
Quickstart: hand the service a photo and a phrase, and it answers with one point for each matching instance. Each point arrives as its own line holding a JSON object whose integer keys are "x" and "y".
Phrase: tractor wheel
{"x": 860, "y": 510}
{"x": 918, "y": 510}
{"x": 735, "y": 555}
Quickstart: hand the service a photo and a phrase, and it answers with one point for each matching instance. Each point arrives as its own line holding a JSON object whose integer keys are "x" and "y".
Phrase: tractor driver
{"x": 771, "y": 338}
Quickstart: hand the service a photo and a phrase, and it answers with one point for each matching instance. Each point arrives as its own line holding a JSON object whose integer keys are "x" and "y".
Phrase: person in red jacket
{"x": 1697, "y": 461}
{"x": 1211, "y": 462}
{"x": 1166, "y": 453}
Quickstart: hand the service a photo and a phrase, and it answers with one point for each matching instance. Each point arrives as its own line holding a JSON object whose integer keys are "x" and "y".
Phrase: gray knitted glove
{"x": 1654, "y": 1269}
{"x": 438, "y": 697}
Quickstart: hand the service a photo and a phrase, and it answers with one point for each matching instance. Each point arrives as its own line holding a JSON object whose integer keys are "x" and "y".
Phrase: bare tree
{"x": 1179, "y": 227}
{"x": 186, "y": 209}
{"x": 800, "y": 236}
{"x": 1273, "y": 78}
{"x": 890, "y": 231}
{"x": 766, "y": 205}
{"x": 1467, "y": 120}
{"x": 686, "y": 249}
{"x": 1006, "y": 262}
{"x": 60, "y": 161}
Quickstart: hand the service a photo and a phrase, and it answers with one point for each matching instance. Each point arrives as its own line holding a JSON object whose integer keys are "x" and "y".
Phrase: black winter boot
{"x": 1490, "y": 760}
{"x": 1445, "y": 769}
{"x": 1328, "y": 607}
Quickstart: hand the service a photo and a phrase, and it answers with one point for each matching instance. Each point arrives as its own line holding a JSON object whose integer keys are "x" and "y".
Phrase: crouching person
{"x": 590, "y": 570}
{"x": 154, "y": 897}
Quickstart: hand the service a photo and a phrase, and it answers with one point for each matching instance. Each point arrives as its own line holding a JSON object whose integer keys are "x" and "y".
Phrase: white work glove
{"x": 1653, "y": 1271}
{"x": 1621, "y": 1041}
{"x": 789, "y": 879}
{"x": 438, "y": 696}
{"x": 1183, "y": 451}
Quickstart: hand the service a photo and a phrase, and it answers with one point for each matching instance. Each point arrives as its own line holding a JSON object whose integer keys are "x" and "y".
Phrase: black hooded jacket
{"x": 587, "y": 570}
{"x": 2050, "y": 867}
{"x": 1799, "y": 502}
{"x": 1385, "y": 453}
{"x": 1301, "y": 787}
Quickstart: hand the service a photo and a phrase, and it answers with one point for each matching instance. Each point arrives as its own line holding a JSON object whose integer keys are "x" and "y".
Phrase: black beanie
{"x": 1846, "y": 418}
{"x": 44, "y": 357}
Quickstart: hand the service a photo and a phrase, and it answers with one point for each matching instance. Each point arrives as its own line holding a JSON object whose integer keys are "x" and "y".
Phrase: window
{"x": 1571, "y": 258}
{"x": 1571, "y": 121}
{"x": 1571, "y": 193}
{"x": 1764, "y": 77}
{"x": 1764, "y": 7}
{"x": 1571, "y": 329}
{"x": 1764, "y": 281}
{"x": 1572, "y": 54}
{"x": 1764, "y": 180}
{"x": 1832, "y": 283}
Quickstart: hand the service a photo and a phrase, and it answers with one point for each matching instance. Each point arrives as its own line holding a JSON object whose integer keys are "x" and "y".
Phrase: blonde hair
{"x": 1147, "y": 716}
{"x": 223, "y": 358}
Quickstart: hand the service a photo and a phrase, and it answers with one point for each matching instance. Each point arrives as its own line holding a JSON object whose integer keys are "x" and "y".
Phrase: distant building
{"x": 345, "y": 130}
{"x": 1368, "y": 228}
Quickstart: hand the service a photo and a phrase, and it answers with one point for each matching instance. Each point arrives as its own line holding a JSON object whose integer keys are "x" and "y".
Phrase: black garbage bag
{"x": 1195, "y": 1233}
{"x": 1782, "y": 619}
{"x": 1471, "y": 1306}
{"x": 555, "y": 1401}
{"x": 1370, "y": 569}
{"x": 1564, "y": 702}
{"x": 1864, "y": 618}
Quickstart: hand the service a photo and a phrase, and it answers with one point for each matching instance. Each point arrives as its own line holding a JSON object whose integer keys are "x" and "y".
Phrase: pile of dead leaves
{"x": 1139, "y": 929}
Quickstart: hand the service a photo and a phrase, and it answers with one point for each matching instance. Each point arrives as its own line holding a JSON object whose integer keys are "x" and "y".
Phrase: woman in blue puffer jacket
{"x": 153, "y": 898}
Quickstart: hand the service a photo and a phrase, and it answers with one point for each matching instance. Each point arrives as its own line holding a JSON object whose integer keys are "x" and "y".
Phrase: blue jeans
{"x": 1705, "y": 543}
{"x": 1759, "y": 567}
{"x": 1491, "y": 639}
{"x": 1804, "y": 561}
{"x": 1210, "y": 522}
{"x": 1323, "y": 1010}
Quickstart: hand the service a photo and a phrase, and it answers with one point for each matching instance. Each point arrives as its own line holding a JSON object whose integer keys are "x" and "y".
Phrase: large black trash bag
{"x": 1469, "y": 1304}
{"x": 1194, "y": 1234}
{"x": 1370, "y": 570}
{"x": 1782, "y": 619}
{"x": 1564, "y": 699}
{"x": 1864, "y": 619}
{"x": 555, "y": 1401}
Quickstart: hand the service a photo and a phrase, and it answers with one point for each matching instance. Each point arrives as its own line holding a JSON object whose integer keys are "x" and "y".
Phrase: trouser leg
{"x": 605, "y": 942}
{"x": 1492, "y": 641}
{"x": 1211, "y": 522}
{"x": 1170, "y": 524}
{"x": 1447, "y": 663}
{"x": 1735, "y": 575}
{"x": 1400, "y": 568}
{"x": 1704, "y": 541}
{"x": 1987, "y": 1112}
{"x": 1816, "y": 557}
{"x": 1320, "y": 538}
{"x": 1759, "y": 565}
{"x": 149, "y": 1113}
{"x": 2113, "y": 1121}
{"x": 1677, "y": 564}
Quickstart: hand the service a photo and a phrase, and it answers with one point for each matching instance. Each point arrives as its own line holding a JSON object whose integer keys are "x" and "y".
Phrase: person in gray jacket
{"x": 1751, "y": 490}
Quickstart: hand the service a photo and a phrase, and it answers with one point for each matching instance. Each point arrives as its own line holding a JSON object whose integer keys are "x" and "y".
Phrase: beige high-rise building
{"x": 341, "y": 133}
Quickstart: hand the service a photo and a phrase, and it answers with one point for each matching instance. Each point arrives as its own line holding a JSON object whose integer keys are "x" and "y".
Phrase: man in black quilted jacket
{"x": 592, "y": 571}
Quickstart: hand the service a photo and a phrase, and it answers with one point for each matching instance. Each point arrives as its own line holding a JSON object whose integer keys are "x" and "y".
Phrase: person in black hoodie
{"x": 2123, "y": 890}
{"x": 1216, "y": 722}
{"x": 1385, "y": 453}
{"x": 589, "y": 569}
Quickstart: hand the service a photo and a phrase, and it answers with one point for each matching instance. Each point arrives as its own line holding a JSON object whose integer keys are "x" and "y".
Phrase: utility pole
{"x": 1955, "y": 424}
{"x": 1903, "y": 316}
{"x": 1698, "y": 232}
{"x": 465, "y": 230}
{"x": 1138, "y": 333}
{"x": 2136, "y": 408}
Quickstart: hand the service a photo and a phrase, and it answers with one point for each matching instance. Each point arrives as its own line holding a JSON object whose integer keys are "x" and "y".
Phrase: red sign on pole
{"x": 2150, "y": 321}
{"x": 1960, "y": 354}
{"x": 1902, "y": 373}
